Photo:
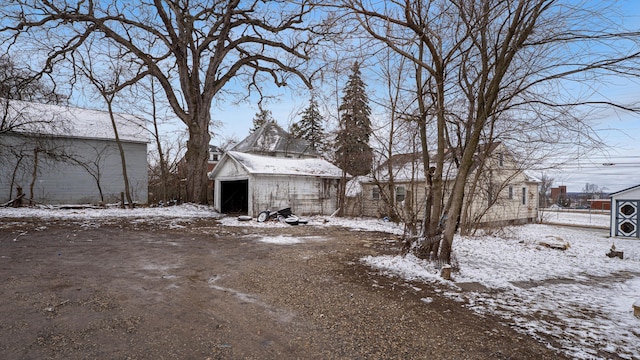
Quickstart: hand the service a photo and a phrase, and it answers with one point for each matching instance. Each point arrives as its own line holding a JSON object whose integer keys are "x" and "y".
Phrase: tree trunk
{"x": 196, "y": 158}
{"x": 123, "y": 161}
{"x": 156, "y": 134}
{"x": 14, "y": 174}
{"x": 456, "y": 199}
{"x": 34, "y": 174}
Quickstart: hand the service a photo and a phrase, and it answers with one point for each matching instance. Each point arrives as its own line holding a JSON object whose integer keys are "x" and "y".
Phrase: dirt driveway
{"x": 133, "y": 289}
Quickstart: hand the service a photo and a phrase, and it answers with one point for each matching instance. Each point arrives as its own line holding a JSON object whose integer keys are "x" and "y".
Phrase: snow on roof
{"x": 411, "y": 171}
{"x": 271, "y": 138}
{"x": 257, "y": 164}
{"x": 624, "y": 190}
{"x": 530, "y": 177}
{"x": 63, "y": 121}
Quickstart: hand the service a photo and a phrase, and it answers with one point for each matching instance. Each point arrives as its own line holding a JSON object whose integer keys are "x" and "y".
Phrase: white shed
{"x": 625, "y": 205}
{"x": 249, "y": 183}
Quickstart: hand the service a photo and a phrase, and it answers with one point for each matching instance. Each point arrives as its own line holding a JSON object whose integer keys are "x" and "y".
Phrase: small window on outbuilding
{"x": 510, "y": 192}
{"x": 524, "y": 196}
{"x": 400, "y": 193}
{"x": 501, "y": 159}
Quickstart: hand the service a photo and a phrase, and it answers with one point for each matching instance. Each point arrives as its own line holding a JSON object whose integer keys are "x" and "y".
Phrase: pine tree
{"x": 310, "y": 127}
{"x": 262, "y": 117}
{"x": 353, "y": 152}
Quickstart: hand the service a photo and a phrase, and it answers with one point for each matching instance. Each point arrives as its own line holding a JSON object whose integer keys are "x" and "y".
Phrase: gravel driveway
{"x": 146, "y": 289}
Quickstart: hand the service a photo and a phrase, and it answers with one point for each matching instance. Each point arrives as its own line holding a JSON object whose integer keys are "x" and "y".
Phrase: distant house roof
{"x": 269, "y": 165}
{"x": 63, "y": 121}
{"x": 409, "y": 167}
{"x": 214, "y": 149}
{"x": 271, "y": 139}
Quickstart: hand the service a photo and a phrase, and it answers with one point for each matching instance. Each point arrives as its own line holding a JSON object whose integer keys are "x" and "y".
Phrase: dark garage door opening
{"x": 234, "y": 197}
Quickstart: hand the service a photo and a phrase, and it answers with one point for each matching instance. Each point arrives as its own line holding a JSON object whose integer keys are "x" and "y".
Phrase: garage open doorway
{"x": 234, "y": 197}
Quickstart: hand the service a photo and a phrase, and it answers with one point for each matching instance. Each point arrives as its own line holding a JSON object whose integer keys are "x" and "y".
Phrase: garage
{"x": 248, "y": 184}
{"x": 234, "y": 198}
{"x": 625, "y": 213}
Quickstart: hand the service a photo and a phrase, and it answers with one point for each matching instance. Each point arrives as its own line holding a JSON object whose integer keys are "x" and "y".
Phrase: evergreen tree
{"x": 262, "y": 117}
{"x": 310, "y": 127}
{"x": 353, "y": 153}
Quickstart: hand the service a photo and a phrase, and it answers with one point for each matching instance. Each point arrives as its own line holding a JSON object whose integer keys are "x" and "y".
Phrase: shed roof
{"x": 269, "y": 165}
{"x": 63, "y": 121}
{"x": 636, "y": 187}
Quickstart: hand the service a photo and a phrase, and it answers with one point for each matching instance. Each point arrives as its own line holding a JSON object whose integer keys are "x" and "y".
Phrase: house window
{"x": 400, "y": 193}
{"x": 524, "y": 196}
{"x": 510, "y": 192}
{"x": 375, "y": 193}
{"x": 501, "y": 159}
{"x": 213, "y": 157}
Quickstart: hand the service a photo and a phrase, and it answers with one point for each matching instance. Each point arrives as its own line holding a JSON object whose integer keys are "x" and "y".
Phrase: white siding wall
{"x": 305, "y": 195}
{"x": 61, "y": 181}
{"x": 501, "y": 175}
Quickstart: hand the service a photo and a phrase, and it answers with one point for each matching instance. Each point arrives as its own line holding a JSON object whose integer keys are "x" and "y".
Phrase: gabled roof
{"x": 215, "y": 149}
{"x": 269, "y": 165}
{"x": 63, "y": 121}
{"x": 270, "y": 138}
{"x": 409, "y": 167}
{"x": 624, "y": 190}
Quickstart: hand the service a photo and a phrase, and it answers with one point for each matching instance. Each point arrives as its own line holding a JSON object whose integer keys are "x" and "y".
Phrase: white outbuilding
{"x": 249, "y": 183}
{"x": 271, "y": 169}
{"x": 64, "y": 155}
{"x": 625, "y": 205}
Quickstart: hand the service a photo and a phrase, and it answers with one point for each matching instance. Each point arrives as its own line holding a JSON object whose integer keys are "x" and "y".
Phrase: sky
{"x": 614, "y": 167}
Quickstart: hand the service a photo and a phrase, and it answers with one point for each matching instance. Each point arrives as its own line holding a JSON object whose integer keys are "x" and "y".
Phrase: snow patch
{"x": 578, "y": 296}
{"x": 280, "y": 240}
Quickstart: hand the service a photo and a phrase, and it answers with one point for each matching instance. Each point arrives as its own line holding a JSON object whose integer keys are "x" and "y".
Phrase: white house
{"x": 625, "y": 214}
{"x": 64, "y": 155}
{"x": 270, "y": 169}
{"x": 498, "y": 190}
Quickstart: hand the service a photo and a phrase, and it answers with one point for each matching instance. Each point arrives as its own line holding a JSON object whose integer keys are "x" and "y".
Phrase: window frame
{"x": 402, "y": 193}
{"x": 375, "y": 193}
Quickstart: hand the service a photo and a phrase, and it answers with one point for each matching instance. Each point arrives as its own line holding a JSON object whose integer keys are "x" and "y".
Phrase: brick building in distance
{"x": 559, "y": 195}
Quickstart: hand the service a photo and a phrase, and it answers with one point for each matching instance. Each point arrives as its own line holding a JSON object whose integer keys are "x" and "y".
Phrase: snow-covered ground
{"x": 576, "y": 217}
{"x": 578, "y": 296}
{"x": 182, "y": 211}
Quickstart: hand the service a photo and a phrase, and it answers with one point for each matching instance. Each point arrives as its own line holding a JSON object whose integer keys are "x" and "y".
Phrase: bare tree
{"x": 93, "y": 164}
{"x": 167, "y": 184}
{"x": 108, "y": 84}
{"x": 25, "y": 131}
{"x": 395, "y": 138}
{"x": 193, "y": 48}
{"x": 485, "y": 68}
{"x": 544, "y": 190}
